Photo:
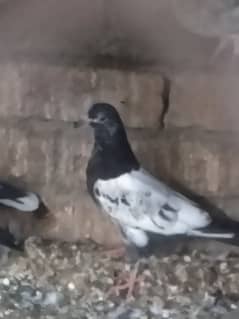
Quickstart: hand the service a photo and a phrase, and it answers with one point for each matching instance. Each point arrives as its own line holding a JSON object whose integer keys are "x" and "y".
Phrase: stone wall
{"x": 172, "y": 77}
{"x": 183, "y": 130}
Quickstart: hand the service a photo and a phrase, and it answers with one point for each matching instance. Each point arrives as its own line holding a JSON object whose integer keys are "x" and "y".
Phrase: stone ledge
{"x": 78, "y": 218}
{"x": 73, "y": 217}
{"x": 65, "y": 93}
{"x": 204, "y": 100}
{"x": 204, "y": 162}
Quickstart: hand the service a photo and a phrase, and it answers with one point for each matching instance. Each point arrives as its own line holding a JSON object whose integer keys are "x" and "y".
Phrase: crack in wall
{"x": 165, "y": 100}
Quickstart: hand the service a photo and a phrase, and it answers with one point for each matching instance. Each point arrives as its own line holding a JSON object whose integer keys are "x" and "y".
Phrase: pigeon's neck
{"x": 115, "y": 156}
{"x": 110, "y": 159}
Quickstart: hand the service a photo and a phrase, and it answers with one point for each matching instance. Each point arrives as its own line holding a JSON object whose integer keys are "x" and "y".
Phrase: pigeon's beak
{"x": 86, "y": 120}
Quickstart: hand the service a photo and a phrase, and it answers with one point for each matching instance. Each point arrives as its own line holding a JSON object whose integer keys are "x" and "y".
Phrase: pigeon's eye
{"x": 102, "y": 119}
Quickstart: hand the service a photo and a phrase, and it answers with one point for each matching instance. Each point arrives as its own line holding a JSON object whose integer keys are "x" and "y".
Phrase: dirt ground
{"x": 62, "y": 280}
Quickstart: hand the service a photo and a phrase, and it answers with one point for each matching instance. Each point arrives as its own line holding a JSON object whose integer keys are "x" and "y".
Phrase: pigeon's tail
{"x": 216, "y": 235}
{"x": 222, "y": 229}
{"x": 28, "y": 202}
{"x": 21, "y": 200}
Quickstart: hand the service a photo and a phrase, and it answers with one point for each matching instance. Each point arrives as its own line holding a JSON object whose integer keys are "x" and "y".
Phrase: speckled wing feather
{"x": 140, "y": 201}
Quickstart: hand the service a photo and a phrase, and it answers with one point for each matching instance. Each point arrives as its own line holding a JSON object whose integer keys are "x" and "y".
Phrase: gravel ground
{"x": 69, "y": 281}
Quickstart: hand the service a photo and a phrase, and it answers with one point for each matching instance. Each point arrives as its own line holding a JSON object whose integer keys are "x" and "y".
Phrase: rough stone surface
{"x": 48, "y": 153}
{"x": 75, "y": 217}
{"x": 208, "y": 101}
{"x": 204, "y": 162}
{"x": 43, "y": 146}
{"x": 51, "y": 158}
{"x": 228, "y": 204}
{"x": 134, "y": 94}
{"x": 66, "y": 93}
{"x": 130, "y": 39}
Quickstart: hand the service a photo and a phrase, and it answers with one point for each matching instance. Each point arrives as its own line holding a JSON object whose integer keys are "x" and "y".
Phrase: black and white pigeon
{"x": 142, "y": 206}
{"x": 17, "y": 206}
{"x": 138, "y": 202}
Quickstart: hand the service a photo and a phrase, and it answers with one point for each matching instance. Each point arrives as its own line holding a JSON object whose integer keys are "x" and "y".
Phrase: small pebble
{"x": 233, "y": 306}
{"x": 187, "y": 259}
{"x": 174, "y": 289}
{"x": 52, "y": 299}
{"x": 127, "y": 267}
{"x": 6, "y": 282}
{"x": 71, "y": 286}
{"x": 223, "y": 267}
{"x": 155, "y": 309}
{"x": 147, "y": 273}
{"x": 8, "y": 312}
{"x": 165, "y": 313}
{"x": 137, "y": 313}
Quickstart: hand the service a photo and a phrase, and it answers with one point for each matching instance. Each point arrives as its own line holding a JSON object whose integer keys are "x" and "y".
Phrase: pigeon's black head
{"x": 107, "y": 124}
{"x": 105, "y": 117}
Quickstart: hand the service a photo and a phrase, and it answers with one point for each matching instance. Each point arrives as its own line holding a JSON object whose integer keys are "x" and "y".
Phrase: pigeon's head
{"x": 111, "y": 140}
{"x": 105, "y": 118}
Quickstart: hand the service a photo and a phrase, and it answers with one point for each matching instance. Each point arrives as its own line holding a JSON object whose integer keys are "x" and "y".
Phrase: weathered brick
{"x": 136, "y": 95}
{"x": 56, "y": 153}
{"x": 229, "y": 205}
{"x": 76, "y": 217}
{"x": 209, "y": 101}
{"x": 46, "y": 155}
{"x": 43, "y": 153}
{"x": 65, "y": 93}
{"x": 27, "y": 154}
{"x": 35, "y": 90}
{"x": 204, "y": 162}
{"x": 72, "y": 217}
{"x": 51, "y": 159}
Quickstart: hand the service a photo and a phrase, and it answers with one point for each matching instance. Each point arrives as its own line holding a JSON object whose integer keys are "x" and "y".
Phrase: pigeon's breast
{"x": 127, "y": 203}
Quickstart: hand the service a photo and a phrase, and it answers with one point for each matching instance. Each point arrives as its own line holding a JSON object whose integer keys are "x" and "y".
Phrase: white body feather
{"x": 140, "y": 203}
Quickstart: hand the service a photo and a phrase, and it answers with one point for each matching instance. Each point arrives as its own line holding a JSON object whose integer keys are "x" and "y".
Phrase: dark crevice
{"x": 165, "y": 100}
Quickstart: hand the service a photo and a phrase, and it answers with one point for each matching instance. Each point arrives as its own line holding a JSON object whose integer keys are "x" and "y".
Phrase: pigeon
{"x": 136, "y": 201}
{"x": 17, "y": 207}
{"x": 214, "y": 18}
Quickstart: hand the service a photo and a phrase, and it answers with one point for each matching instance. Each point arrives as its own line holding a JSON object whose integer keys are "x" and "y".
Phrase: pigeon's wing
{"x": 139, "y": 200}
{"x": 11, "y": 196}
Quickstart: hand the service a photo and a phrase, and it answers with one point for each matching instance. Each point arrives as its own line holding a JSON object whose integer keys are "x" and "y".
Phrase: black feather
{"x": 7, "y": 239}
{"x": 8, "y": 191}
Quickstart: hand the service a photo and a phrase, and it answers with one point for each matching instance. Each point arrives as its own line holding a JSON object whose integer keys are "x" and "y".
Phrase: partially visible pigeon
{"x": 139, "y": 203}
{"x": 17, "y": 204}
{"x": 210, "y": 18}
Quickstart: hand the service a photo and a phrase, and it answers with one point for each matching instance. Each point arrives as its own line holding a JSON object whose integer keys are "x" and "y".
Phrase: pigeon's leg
{"x": 127, "y": 284}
